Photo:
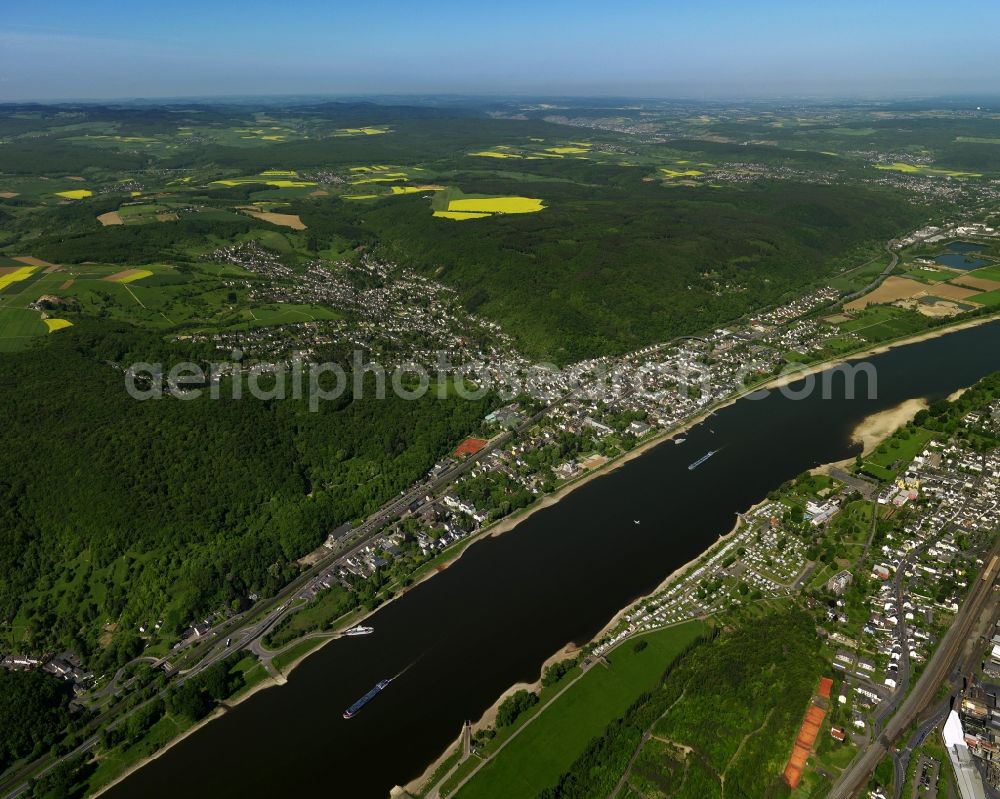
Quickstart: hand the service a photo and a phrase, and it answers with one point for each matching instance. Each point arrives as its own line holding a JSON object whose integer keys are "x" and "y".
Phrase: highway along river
{"x": 464, "y": 636}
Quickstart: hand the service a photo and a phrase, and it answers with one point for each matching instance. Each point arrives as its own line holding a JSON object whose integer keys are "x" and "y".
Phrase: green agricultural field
{"x": 925, "y": 275}
{"x": 884, "y": 322}
{"x": 535, "y": 758}
{"x": 858, "y": 278}
{"x": 986, "y": 272}
{"x": 988, "y": 298}
{"x": 19, "y": 328}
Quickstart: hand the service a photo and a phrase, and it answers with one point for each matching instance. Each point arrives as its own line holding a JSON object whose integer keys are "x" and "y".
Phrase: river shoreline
{"x": 418, "y": 784}
{"x": 221, "y": 710}
{"x": 509, "y": 523}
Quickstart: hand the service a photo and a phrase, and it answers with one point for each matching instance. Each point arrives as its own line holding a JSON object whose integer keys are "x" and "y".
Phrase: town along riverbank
{"x": 458, "y": 641}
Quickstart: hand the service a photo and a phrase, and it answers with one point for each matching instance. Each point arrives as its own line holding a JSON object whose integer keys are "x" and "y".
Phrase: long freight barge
{"x": 353, "y": 709}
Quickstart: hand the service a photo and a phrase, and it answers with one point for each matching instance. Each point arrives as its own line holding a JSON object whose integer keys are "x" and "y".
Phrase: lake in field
{"x": 460, "y": 639}
{"x": 959, "y": 256}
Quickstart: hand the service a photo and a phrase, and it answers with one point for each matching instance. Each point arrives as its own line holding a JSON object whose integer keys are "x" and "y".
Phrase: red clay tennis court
{"x": 803, "y": 745}
{"x": 470, "y": 447}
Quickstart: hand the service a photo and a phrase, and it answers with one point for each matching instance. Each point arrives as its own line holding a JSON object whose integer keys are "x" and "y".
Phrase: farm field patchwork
{"x": 981, "y": 283}
{"x": 892, "y": 288}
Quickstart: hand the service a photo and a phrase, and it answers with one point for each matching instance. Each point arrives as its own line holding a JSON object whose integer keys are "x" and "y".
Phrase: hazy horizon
{"x": 775, "y": 49}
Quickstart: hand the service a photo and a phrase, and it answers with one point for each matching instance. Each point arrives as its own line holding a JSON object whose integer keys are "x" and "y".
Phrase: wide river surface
{"x": 463, "y": 637}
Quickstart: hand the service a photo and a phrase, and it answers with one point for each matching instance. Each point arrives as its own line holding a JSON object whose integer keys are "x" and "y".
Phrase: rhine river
{"x": 461, "y": 638}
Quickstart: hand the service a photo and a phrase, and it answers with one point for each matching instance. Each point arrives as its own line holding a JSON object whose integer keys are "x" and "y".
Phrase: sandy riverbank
{"x": 871, "y": 430}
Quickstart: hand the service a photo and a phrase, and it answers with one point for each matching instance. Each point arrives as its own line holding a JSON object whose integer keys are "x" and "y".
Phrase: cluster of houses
{"x": 397, "y": 317}
{"x": 953, "y": 190}
{"x": 391, "y": 314}
{"x": 64, "y": 665}
{"x": 758, "y": 556}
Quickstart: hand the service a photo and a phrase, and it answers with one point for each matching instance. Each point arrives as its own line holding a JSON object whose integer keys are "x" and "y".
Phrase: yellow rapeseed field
{"x": 382, "y": 177}
{"x": 128, "y": 276}
{"x": 459, "y": 215}
{"x": 279, "y": 183}
{"x": 57, "y": 324}
{"x": 497, "y": 205}
{"x": 75, "y": 194}
{"x": 13, "y": 277}
{"x": 676, "y": 173}
{"x": 414, "y": 189}
{"x": 899, "y": 166}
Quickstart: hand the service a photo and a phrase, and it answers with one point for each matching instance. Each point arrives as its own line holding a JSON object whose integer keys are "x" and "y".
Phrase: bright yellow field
{"x": 899, "y": 166}
{"x": 360, "y": 196}
{"x": 495, "y": 154}
{"x": 13, "y": 277}
{"x": 414, "y": 189}
{"x": 75, "y": 194}
{"x": 279, "y": 173}
{"x": 566, "y": 150}
{"x": 497, "y": 205}
{"x": 278, "y": 184}
{"x": 290, "y": 184}
{"x": 57, "y": 324}
{"x": 375, "y": 168}
{"x": 128, "y": 276}
{"x": 459, "y": 215}
{"x": 687, "y": 173}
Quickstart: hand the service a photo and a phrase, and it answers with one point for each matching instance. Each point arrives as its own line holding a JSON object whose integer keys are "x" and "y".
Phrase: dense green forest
{"x": 749, "y": 685}
{"x": 34, "y": 712}
{"x": 123, "y": 513}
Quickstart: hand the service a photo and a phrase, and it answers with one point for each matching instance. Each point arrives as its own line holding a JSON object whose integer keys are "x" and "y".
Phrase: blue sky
{"x": 668, "y": 48}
